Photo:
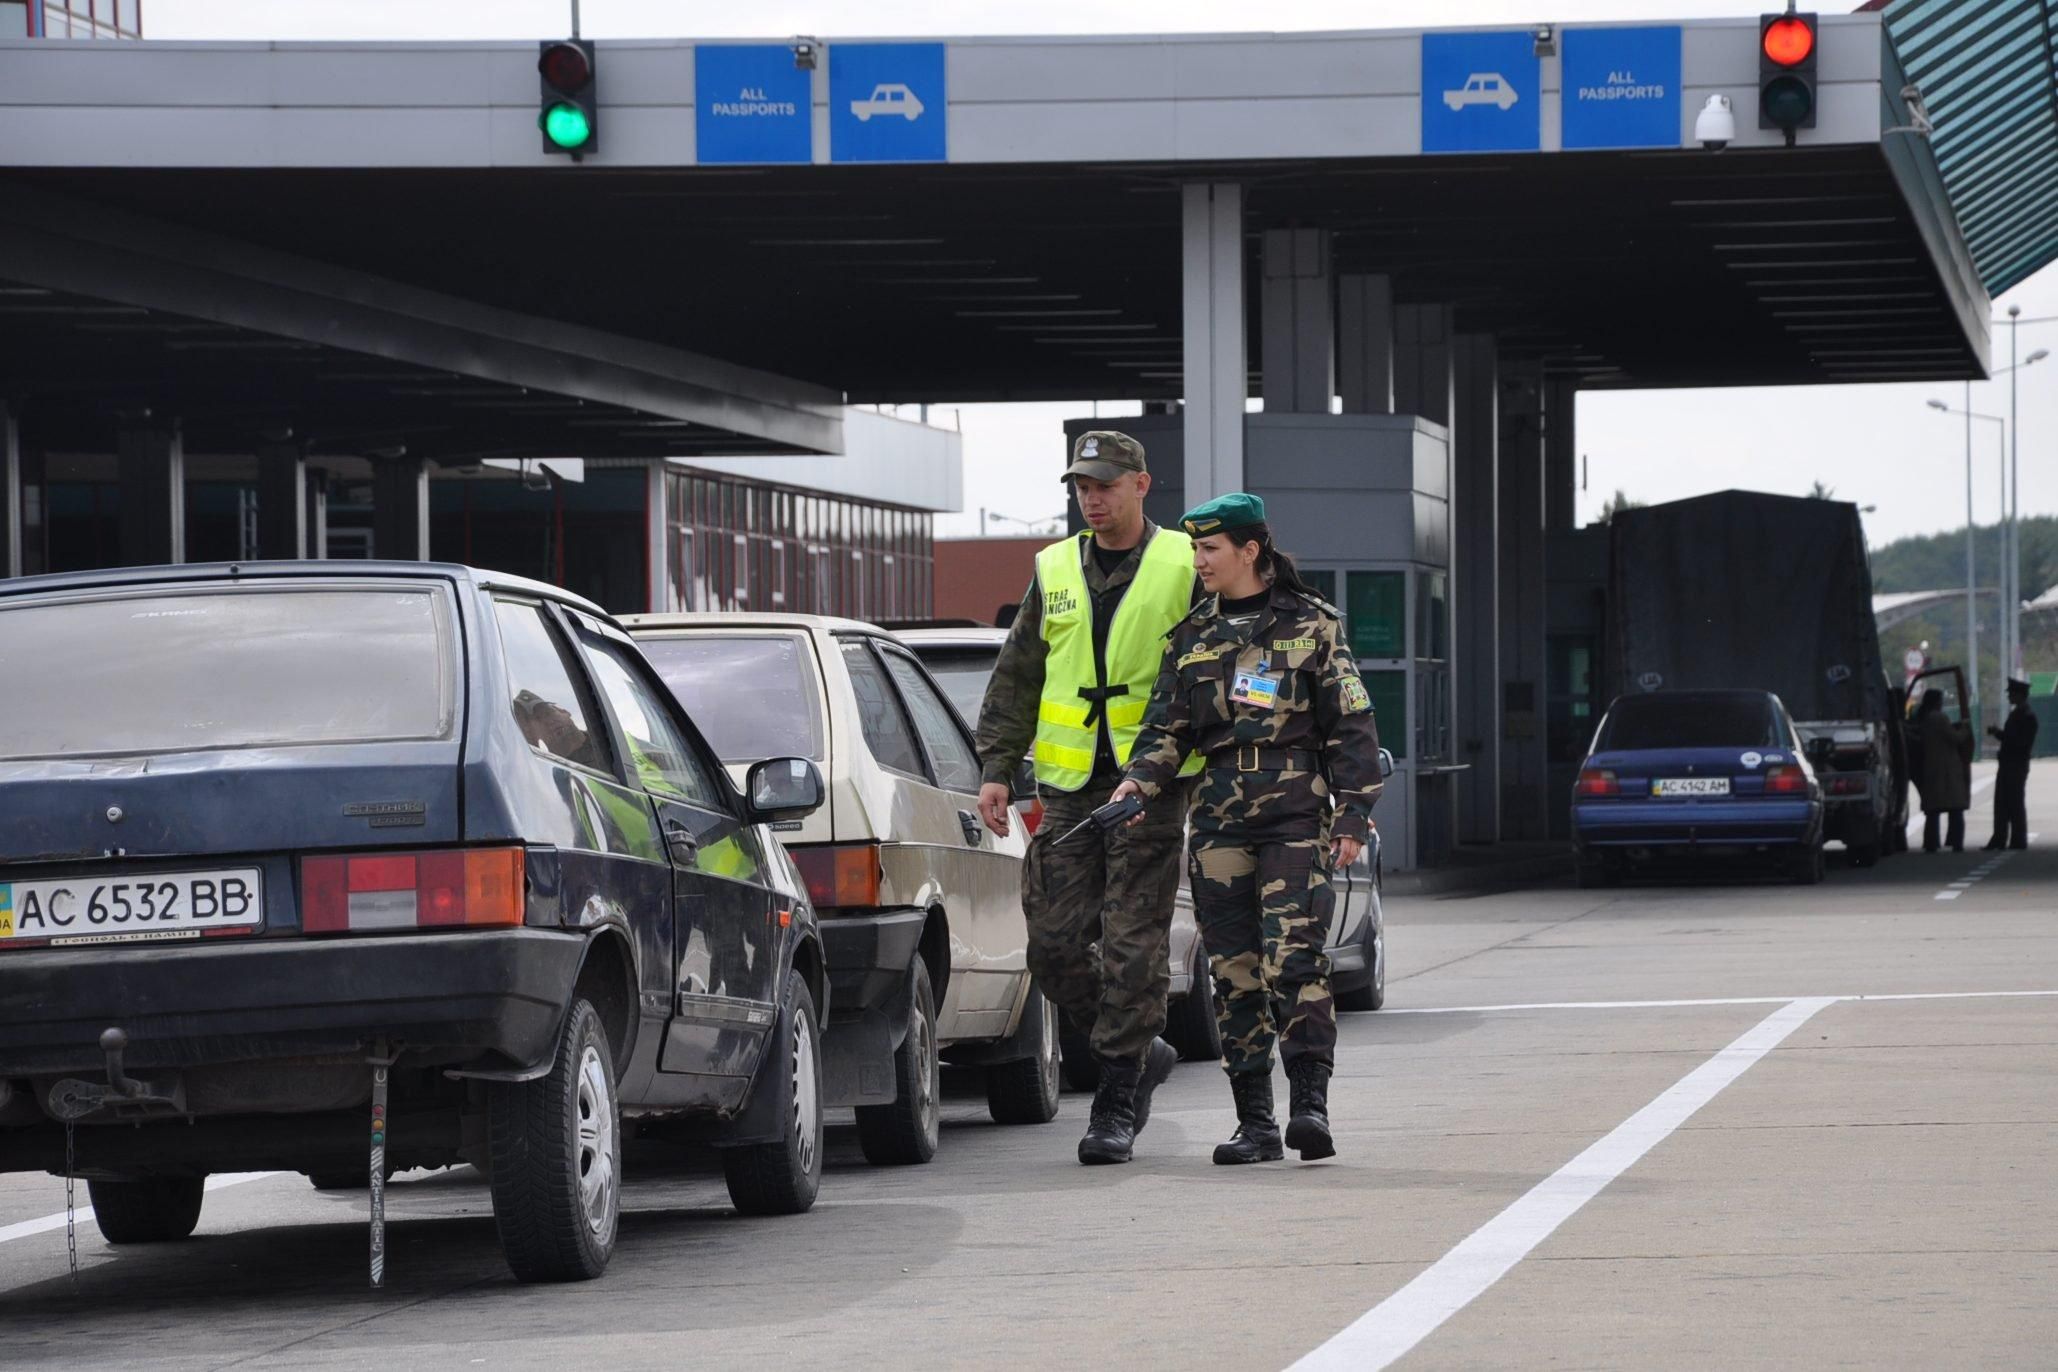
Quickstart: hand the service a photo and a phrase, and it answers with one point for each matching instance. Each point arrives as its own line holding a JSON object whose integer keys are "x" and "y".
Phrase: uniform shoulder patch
{"x": 1356, "y": 701}
{"x": 1198, "y": 655}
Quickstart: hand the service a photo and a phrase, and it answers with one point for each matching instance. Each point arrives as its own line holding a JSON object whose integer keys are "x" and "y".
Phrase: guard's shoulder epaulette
{"x": 1193, "y": 616}
{"x": 1321, "y": 606}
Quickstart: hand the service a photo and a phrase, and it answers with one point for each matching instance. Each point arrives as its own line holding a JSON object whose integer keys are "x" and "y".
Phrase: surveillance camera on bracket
{"x": 1715, "y": 125}
{"x": 806, "y": 52}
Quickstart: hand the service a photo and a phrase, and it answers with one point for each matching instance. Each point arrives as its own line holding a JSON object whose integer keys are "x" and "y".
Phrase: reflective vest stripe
{"x": 1158, "y": 597}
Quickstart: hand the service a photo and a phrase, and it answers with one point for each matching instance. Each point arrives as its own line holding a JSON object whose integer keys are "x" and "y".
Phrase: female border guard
{"x": 1259, "y": 682}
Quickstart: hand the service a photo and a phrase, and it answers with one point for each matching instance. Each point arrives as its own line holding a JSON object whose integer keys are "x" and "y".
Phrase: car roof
{"x": 335, "y": 569}
{"x": 746, "y": 619}
{"x": 1699, "y": 696}
{"x": 952, "y": 638}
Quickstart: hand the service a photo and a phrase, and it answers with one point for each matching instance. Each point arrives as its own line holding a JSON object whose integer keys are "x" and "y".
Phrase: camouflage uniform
{"x": 1281, "y": 779}
{"x": 1117, "y": 889}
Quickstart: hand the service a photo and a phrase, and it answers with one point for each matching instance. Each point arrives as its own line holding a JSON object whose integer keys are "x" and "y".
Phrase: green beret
{"x": 1237, "y": 510}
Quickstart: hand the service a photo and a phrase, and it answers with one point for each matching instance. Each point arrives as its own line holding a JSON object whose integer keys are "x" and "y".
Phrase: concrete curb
{"x": 1472, "y": 879}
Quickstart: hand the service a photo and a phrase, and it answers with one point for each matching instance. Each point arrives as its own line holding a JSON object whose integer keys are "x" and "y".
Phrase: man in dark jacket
{"x": 2018, "y": 736}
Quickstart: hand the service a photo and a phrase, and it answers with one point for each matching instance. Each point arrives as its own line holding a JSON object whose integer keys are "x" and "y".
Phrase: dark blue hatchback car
{"x": 297, "y": 855}
{"x": 1676, "y": 774}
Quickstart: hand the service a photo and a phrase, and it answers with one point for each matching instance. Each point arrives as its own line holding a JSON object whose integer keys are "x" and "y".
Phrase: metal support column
{"x": 1364, "y": 344}
{"x": 1561, "y": 456}
{"x": 1297, "y": 328}
{"x": 12, "y": 528}
{"x": 281, "y": 498}
{"x": 317, "y": 513}
{"x": 1422, "y": 361}
{"x": 1475, "y": 587}
{"x": 151, "y": 469}
{"x": 1520, "y": 463}
{"x": 1216, "y": 371}
{"x": 657, "y": 537}
{"x": 400, "y": 509}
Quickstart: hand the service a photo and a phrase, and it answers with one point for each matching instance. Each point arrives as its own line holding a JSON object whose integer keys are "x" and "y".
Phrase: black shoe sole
{"x": 1087, "y": 1159}
{"x": 1309, "y": 1139}
{"x": 1224, "y": 1158}
{"x": 1156, "y": 1068}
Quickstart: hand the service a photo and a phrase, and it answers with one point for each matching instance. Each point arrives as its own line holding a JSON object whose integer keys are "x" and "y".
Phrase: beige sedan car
{"x": 920, "y": 906}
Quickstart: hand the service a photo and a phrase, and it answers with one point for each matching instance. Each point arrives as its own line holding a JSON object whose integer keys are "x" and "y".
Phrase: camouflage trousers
{"x": 1110, "y": 890}
{"x": 1263, "y": 910}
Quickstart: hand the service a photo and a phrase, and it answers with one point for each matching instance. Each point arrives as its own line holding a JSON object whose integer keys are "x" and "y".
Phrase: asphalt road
{"x": 1692, "y": 1123}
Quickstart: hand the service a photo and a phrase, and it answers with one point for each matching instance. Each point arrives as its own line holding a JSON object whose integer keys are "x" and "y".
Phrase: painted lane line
{"x": 1949, "y": 895}
{"x": 1975, "y": 876}
{"x": 84, "y": 1214}
{"x": 1414, "y": 1312}
{"x": 1709, "y": 1000}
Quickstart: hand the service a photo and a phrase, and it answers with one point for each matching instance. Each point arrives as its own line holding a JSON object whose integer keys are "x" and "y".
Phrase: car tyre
{"x": 1192, "y": 1026}
{"x": 1808, "y": 866}
{"x": 1372, "y": 995}
{"x": 556, "y": 1150}
{"x": 783, "y": 1177}
{"x": 147, "y": 1210}
{"x": 907, "y": 1130}
{"x": 1026, "y": 1091}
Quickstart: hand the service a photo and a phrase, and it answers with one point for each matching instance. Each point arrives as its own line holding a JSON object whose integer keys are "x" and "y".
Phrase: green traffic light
{"x": 567, "y": 126}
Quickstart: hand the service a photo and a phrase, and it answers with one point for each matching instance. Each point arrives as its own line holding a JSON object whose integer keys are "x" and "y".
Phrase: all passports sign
{"x": 1621, "y": 88}
{"x": 751, "y": 104}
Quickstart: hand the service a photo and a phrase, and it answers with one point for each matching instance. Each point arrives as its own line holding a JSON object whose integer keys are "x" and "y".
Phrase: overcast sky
{"x": 1877, "y": 445}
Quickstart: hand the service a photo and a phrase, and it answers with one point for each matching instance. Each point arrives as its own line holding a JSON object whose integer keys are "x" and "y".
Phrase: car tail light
{"x": 468, "y": 888}
{"x": 840, "y": 874}
{"x": 1785, "y": 781}
{"x": 1032, "y": 817}
{"x": 1846, "y": 783}
{"x": 1593, "y": 782}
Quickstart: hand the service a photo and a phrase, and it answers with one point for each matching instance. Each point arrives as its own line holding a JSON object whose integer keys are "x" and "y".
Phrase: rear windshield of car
{"x": 1690, "y": 722}
{"x": 753, "y": 696}
{"x": 963, "y": 674}
{"x": 239, "y": 667}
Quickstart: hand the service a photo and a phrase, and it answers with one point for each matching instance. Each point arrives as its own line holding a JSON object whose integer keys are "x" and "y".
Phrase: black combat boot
{"x": 1158, "y": 1061}
{"x": 1308, "y": 1098}
{"x": 1111, "y": 1132}
{"x": 1257, "y": 1133}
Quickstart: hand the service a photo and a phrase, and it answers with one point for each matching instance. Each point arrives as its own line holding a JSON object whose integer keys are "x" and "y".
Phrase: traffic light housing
{"x": 569, "y": 115}
{"x": 1786, "y": 72}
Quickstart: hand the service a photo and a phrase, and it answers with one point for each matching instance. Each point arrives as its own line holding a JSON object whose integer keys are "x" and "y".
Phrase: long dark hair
{"x": 1273, "y": 565}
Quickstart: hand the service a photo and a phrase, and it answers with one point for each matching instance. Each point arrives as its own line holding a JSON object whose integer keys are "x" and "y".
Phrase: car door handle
{"x": 678, "y": 834}
{"x": 975, "y": 832}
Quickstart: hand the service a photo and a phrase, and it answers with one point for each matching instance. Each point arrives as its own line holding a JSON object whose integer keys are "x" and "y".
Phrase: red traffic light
{"x": 1788, "y": 40}
{"x": 565, "y": 67}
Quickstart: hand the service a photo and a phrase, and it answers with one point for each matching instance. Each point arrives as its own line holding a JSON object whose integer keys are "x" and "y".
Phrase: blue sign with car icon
{"x": 1480, "y": 93}
{"x": 886, "y": 102}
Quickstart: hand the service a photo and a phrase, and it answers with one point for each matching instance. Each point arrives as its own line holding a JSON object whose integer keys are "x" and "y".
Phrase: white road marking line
{"x": 1949, "y": 895}
{"x": 1976, "y": 875}
{"x": 1414, "y": 1312}
{"x": 84, "y": 1214}
{"x": 1710, "y": 1000}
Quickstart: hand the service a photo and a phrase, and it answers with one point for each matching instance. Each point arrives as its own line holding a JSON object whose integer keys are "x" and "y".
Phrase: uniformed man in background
{"x": 1069, "y": 691}
{"x": 1259, "y": 682}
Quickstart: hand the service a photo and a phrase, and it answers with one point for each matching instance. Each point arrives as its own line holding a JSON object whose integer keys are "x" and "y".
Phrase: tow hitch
{"x": 124, "y": 1095}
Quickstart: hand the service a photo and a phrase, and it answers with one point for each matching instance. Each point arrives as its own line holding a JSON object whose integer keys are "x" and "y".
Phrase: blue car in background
{"x": 1676, "y": 774}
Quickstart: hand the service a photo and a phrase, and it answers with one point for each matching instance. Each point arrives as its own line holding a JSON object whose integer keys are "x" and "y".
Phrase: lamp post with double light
{"x": 2011, "y": 603}
{"x": 1971, "y": 581}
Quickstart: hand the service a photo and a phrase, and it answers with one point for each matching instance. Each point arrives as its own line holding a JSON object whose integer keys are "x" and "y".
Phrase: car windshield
{"x": 752, "y": 696}
{"x": 1686, "y": 721}
{"x": 963, "y": 674}
{"x": 153, "y": 671}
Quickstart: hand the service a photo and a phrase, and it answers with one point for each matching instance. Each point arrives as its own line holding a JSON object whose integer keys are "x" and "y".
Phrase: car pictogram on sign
{"x": 888, "y": 97}
{"x": 1482, "y": 88}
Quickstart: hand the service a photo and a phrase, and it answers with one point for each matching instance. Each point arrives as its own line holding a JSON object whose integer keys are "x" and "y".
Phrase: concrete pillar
{"x": 657, "y": 537}
{"x": 1523, "y": 613}
{"x": 1297, "y": 322}
{"x": 281, "y": 499}
{"x": 11, "y": 527}
{"x": 400, "y": 509}
{"x": 317, "y": 513}
{"x": 1422, "y": 361}
{"x": 1364, "y": 344}
{"x": 1475, "y": 587}
{"x": 1561, "y": 456}
{"x": 151, "y": 469}
{"x": 1216, "y": 370}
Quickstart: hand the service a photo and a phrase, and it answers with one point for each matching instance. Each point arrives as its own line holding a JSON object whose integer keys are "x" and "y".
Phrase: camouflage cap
{"x": 1104, "y": 455}
{"x": 1237, "y": 510}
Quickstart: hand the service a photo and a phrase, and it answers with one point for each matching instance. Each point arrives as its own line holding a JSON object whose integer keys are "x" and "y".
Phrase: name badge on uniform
{"x": 1255, "y": 688}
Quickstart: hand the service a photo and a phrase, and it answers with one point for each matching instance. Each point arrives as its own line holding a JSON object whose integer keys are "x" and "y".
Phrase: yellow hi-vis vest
{"x": 1067, "y": 725}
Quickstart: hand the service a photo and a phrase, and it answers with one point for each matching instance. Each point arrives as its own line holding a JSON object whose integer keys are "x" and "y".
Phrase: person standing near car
{"x": 2018, "y": 737}
{"x": 1259, "y": 683}
{"x": 1946, "y": 775}
{"x": 1069, "y": 690}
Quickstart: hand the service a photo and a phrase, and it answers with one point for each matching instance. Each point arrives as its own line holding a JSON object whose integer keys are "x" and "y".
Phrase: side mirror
{"x": 1024, "y": 784}
{"x": 1385, "y": 763}
{"x": 783, "y": 788}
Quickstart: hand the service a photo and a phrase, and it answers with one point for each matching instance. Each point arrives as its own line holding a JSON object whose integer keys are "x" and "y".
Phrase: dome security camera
{"x": 1715, "y": 125}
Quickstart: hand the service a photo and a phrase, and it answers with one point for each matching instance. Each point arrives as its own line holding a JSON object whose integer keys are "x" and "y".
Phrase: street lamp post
{"x": 1971, "y": 582}
{"x": 2011, "y": 594}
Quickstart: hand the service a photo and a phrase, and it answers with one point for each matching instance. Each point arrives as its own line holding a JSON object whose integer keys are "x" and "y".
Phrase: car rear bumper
{"x": 455, "y": 998}
{"x": 1669, "y": 823}
{"x": 869, "y": 954}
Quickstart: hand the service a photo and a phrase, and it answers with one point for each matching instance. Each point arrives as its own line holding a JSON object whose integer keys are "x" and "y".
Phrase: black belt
{"x": 1249, "y": 759}
{"x": 1097, "y": 698}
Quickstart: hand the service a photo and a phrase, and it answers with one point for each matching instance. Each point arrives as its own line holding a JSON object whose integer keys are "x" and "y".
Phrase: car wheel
{"x": 1026, "y": 1092}
{"x": 556, "y": 1150}
{"x": 148, "y": 1210}
{"x": 1372, "y": 995}
{"x": 1077, "y": 1063}
{"x": 907, "y": 1130}
{"x": 1807, "y": 866}
{"x": 1192, "y": 1027}
{"x": 784, "y": 1176}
